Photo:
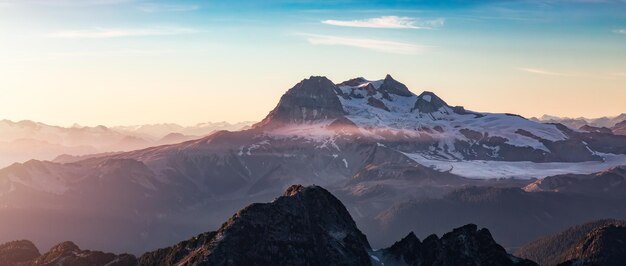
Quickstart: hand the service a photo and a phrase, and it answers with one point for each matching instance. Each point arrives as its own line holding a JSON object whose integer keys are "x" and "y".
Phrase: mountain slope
{"x": 308, "y": 226}
{"x": 580, "y": 243}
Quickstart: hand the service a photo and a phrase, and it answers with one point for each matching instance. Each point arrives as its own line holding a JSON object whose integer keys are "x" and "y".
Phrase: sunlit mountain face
{"x": 352, "y": 133}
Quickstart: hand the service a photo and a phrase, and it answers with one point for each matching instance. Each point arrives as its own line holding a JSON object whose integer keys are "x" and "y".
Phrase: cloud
{"x": 388, "y": 22}
{"x": 154, "y": 8}
{"x": 65, "y": 2}
{"x": 573, "y": 74}
{"x": 371, "y": 44}
{"x": 102, "y": 33}
{"x": 546, "y": 72}
{"x": 620, "y": 31}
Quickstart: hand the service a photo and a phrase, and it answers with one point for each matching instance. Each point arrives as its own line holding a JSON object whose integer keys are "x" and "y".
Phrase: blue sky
{"x": 138, "y": 61}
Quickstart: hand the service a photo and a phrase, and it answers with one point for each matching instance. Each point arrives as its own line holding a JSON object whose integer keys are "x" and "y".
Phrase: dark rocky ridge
{"x": 595, "y": 243}
{"x": 463, "y": 246}
{"x": 307, "y": 225}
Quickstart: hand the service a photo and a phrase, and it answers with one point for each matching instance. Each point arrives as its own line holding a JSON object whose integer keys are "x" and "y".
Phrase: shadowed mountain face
{"x": 596, "y": 243}
{"x": 462, "y": 245}
{"x": 374, "y": 143}
{"x": 308, "y": 226}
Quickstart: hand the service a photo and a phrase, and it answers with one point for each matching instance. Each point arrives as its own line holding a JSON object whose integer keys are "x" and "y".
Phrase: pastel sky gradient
{"x": 120, "y": 62}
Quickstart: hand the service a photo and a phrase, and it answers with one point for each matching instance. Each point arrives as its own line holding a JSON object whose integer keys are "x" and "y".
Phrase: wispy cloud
{"x": 371, "y": 44}
{"x": 620, "y": 31}
{"x": 389, "y": 22}
{"x": 102, "y": 33}
{"x": 64, "y": 2}
{"x": 154, "y": 8}
{"x": 544, "y": 72}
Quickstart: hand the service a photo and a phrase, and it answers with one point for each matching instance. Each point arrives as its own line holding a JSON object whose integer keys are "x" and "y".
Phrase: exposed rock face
{"x": 306, "y": 226}
{"x": 596, "y": 243}
{"x": 16, "y": 252}
{"x": 611, "y": 182}
{"x": 463, "y": 246}
{"x": 312, "y": 99}
{"x": 392, "y": 86}
{"x": 428, "y": 102}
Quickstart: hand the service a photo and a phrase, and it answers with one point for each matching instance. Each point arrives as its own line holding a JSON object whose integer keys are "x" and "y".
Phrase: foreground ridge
{"x": 304, "y": 226}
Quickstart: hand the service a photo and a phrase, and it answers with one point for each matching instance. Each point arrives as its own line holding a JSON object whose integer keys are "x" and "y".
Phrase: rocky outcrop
{"x": 392, "y": 86}
{"x": 16, "y": 252}
{"x": 463, "y": 246}
{"x": 307, "y": 225}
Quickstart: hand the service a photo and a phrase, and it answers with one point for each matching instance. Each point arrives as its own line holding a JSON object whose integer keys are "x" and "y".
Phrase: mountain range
{"x": 613, "y": 124}
{"x": 25, "y": 140}
{"x": 399, "y": 161}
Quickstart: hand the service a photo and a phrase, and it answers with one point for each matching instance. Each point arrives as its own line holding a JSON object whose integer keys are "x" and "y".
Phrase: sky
{"x": 125, "y": 62}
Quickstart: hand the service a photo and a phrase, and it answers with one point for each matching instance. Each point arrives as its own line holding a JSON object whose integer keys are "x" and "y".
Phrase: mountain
{"x": 606, "y": 121}
{"x": 465, "y": 245}
{"x": 308, "y": 226}
{"x": 25, "y": 140}
{"x": 619, "y": 128}
{"x": 595, "y": 243}
{"x": 14, "y": 252}
{"x": 161, "y": 131}
{"x": 24, "y": 253}
{"x": 373, "y": 143}
{"x": 514, "y": 216}
{"x": 611, "y": 182}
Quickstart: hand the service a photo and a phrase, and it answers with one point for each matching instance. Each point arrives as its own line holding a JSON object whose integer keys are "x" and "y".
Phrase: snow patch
{"x": 525, "y": 170}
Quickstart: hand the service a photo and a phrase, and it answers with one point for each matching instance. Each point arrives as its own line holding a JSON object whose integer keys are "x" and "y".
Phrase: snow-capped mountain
{"x": 373, "y": 143}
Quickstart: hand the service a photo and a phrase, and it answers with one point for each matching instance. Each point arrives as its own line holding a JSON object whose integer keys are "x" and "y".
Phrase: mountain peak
{"x": 319, "y": 231}
{"x": 428, "y": 102}
{"x": 393, "y": 86}
{"x": 311, "y": 99}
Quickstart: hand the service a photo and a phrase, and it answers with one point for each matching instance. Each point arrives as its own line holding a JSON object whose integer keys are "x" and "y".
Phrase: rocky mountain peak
{"x": 305, "y": 226}
{"x": 311, "y": 99}
{"x": 428, "y": 102}
{"x": 393, "y": 86}
{"x": 459, "y": 247}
